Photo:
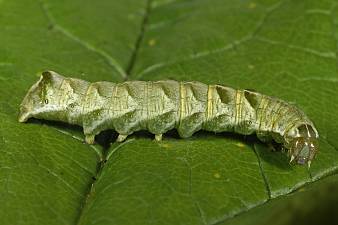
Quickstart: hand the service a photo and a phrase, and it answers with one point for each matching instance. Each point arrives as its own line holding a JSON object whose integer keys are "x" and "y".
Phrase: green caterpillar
{"x": 159, "y": 106}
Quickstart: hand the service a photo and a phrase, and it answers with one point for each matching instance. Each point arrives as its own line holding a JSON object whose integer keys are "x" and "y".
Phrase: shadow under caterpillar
{"x": 159, "y": 106}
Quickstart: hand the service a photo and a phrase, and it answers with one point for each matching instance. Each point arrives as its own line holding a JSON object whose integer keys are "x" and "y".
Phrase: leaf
{"x": 48, "y": 176}
{"x": 313, "y": 204}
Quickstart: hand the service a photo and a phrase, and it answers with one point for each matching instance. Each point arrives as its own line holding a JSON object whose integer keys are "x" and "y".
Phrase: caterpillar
{"x": 159, "y": 106}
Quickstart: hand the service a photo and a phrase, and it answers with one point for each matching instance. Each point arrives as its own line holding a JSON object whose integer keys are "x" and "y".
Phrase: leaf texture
{"x": 281, "y": 48}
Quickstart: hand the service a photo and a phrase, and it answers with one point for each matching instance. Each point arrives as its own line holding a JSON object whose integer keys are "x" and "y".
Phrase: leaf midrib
{"x": 106, "y": 154}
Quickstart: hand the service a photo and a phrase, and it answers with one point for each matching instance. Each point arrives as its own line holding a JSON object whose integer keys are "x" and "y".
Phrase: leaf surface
{"x": 284, "y": 48}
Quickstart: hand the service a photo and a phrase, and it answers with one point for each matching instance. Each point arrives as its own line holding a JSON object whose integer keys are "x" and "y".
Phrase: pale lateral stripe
{"x": 210, "y": 105}
{"x": 182, "y": 101}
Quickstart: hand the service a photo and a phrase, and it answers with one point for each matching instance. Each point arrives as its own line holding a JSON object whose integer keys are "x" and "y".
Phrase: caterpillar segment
{"x": 159, "y": 106}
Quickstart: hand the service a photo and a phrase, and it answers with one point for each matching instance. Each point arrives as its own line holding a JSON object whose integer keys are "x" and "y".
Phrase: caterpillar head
{"x": 304, "y": 144}
{"x": 42, "y": 99}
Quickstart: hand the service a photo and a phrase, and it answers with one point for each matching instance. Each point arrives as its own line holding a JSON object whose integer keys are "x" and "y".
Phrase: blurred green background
{"x": 283, "y": 48}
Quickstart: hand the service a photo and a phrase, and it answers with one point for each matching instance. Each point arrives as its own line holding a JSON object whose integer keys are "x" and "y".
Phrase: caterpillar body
{"x": 159, "y": 106}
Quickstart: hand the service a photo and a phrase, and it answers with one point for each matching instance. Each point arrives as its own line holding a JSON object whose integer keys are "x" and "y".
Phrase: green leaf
{"x": 313, "y": 204}
{"x": 48, "y": 176}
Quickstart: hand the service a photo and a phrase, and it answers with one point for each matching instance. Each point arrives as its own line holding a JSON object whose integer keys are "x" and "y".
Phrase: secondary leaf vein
{"x": 109, "y": 59}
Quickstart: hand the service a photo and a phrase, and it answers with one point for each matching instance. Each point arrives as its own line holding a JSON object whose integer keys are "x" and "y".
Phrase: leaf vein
{"x": 228, "y": 47}
{"x": 108, "y": 58}
{"x": 329, "y": 55}
{"x": 139, "y": 39}
{"x": 261, "y": 169}
{"x": 97, "y": 151}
